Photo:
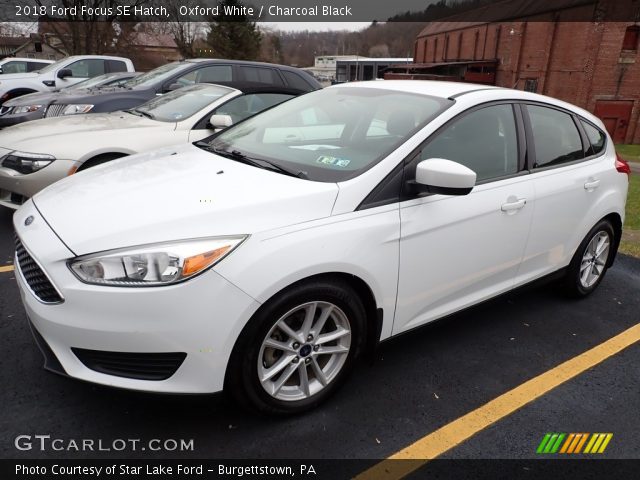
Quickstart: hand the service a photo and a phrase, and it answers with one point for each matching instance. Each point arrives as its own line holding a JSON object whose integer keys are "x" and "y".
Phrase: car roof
{"x": 452, "y": 90}
{"x": 251, "y": 87}
{"x": 433, "y": 88}
{"x": 241, "y": 62}
{"x": 24, "y": 59}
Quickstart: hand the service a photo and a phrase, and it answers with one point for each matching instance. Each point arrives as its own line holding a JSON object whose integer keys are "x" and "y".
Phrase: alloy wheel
{"x": 594, "y": 259}
{"x": 304, "y": 351}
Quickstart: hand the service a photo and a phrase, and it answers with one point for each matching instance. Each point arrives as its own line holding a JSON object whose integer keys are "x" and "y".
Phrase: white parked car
{"x": 65, "y": 72}
{"x": 37, "y": 153}
{"x": 267, "y": 259}
{"x": 21, "y": 65}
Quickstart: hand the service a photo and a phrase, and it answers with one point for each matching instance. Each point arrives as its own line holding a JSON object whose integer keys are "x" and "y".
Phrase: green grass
{"x": 630, "y": 153}
{"x": 630, "y": 248}
{"x": 632, "y": 218}
{"x": 630, "y": 243}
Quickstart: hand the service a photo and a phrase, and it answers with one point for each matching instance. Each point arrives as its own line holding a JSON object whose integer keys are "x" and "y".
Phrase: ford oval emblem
{"x": 29, "y": 220}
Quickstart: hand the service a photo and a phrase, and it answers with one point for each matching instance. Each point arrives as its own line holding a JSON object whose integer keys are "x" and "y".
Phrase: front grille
{"x": 54, "y": 110}
{"x": 141, "y": 366}
{"x": 17, "y": 199}
{"x": 37, "y": 280}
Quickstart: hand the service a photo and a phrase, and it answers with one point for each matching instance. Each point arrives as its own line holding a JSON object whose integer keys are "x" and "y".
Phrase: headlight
{"x": 25, "y": 162}
{"x": 154, "y": 265}
{"x": 25, "y": 109}
{"x": 74, "y": 109}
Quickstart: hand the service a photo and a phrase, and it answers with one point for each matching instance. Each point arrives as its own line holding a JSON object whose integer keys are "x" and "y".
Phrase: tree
{"x": 92, "y": 32}
{"x": 234, "y": 36}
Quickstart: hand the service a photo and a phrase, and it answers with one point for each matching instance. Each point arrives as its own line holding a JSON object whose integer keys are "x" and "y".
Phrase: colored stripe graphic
{"x": 572, "y": 443}
{"x": 605, "y": 443}
{"x": 567, "y": 443}
{"x": 583, "y": 439}
{"x": 543, "y": 443}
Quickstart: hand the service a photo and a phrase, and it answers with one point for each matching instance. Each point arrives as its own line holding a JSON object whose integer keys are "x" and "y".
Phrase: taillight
{"x": 622, "y": 166}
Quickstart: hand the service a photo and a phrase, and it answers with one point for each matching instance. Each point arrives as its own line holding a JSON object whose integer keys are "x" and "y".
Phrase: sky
{"x": 317, "y": 26}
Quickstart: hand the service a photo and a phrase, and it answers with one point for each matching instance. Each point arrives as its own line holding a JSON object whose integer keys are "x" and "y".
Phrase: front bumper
{"x": 201, "y": 317}
{"x": 16, "y": 188}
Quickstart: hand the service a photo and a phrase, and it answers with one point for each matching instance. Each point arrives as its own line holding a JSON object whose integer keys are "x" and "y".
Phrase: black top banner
{"x": 318, "y": 10}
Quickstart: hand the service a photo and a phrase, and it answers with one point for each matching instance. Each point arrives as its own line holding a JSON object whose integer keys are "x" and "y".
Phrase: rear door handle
{"x": 591, "y": 185}
{"x": 512, "y": 206}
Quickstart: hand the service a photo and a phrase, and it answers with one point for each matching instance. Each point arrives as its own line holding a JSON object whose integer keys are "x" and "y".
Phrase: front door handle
{"x": 513, "y": 206}
{"x": 591, "y": 184}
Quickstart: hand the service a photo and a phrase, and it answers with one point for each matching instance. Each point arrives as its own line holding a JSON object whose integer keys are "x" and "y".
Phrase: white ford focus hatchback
{"x": 267, "y": 258}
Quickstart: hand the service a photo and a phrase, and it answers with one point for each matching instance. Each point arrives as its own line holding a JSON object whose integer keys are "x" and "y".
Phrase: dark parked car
{"x": 179, "y": 74}
{"x": 34, "y": 105}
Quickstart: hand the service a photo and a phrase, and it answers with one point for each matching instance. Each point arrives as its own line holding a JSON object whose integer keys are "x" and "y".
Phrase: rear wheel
{"x": 591, "y": 260}
{"x": 298, "y": 348}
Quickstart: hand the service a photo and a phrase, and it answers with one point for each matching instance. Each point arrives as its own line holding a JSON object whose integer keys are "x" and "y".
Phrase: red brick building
{"x": 543, "y": 49}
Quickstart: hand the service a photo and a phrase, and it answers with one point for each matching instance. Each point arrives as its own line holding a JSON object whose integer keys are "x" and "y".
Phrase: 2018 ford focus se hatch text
{"x": 265, "y": 259}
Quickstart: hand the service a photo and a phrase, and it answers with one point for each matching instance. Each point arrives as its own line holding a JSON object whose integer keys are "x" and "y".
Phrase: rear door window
{"x": 116, "y": 66}
{"x": 555, "y": 137}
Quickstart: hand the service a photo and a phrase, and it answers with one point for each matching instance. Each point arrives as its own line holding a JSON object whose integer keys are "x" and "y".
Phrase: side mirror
{"x": 220, "y": 121}
{"x": 173, "y": 86}
{"x": 64, "y": 73}
{"x": 437, "y": 175}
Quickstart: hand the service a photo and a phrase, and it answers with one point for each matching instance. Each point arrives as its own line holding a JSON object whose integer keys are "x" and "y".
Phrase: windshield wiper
{"x": 145, "y": 113}
{"x": 255, "y": 162}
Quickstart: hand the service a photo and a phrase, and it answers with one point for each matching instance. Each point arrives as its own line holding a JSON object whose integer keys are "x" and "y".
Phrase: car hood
{"x": 61, "y": 96}
{"x": 103, "y": 94}
{"x": 31, "y": 136}
{"x": 31, "y": 99}
{"x": 176, "y": 193}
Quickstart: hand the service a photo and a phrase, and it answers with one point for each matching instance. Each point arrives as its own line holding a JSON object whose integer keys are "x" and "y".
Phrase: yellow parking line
{"x": 463, "y": 428}
{"x": 6, "y": 268}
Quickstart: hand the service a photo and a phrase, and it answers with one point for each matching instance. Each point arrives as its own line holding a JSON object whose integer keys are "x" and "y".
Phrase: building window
{"x": 531, "y": 85}
{"x": 38, "y": 47}
{"x": 630, "y": 41}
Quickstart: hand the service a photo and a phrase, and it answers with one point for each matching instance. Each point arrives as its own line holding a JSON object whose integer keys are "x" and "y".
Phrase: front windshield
{"x": 333, "y": 134}
{"x": 182, "y": 103}
{"x": 53, "y": 66}
{"x": 152, "y": 76}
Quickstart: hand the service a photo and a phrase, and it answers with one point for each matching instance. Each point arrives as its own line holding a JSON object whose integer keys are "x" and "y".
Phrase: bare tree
{"x": 184, "y": 33}
{"x": 91, "y": 32}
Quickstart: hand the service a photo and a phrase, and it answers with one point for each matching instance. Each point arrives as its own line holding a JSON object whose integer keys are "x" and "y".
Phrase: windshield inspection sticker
{"x": 335, "y": 161}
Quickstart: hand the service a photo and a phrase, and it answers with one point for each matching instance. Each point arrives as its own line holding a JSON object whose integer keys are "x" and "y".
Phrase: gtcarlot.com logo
{"x": 569, "y": 443}
{"x": 48, "y": 443}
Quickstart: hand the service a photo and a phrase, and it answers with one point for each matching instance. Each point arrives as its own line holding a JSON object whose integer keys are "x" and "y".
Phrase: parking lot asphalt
{"x": 418, "y": 382}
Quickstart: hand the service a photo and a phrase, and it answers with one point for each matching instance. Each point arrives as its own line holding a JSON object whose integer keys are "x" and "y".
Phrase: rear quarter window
{"x": 597, "y": 138}
{"x": 267, "y": 76}
{"x": 296, "y": 81}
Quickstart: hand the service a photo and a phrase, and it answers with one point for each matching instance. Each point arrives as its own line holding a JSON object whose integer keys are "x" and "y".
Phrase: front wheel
{"x": 591, "y": 260}
{"x": 298, "y": 348}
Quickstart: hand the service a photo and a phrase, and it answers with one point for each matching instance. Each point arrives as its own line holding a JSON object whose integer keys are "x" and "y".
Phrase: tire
{"x": 588, "y": 267}
{"x": 268, "y": 364}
